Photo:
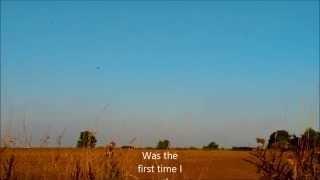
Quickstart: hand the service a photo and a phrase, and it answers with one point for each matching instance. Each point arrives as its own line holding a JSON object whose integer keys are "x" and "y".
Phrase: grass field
{"x": 94, "y": 164}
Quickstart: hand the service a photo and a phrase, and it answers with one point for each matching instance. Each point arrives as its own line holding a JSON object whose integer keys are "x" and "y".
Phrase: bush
{"x": 300, "y": 161}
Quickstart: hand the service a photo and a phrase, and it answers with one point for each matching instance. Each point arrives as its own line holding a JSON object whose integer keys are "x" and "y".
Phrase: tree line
{"x": 87, "y": 139}
{"x": 279, "y": 138}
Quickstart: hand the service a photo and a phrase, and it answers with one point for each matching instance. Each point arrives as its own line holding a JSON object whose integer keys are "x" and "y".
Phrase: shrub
{"x": 301, "y": 161}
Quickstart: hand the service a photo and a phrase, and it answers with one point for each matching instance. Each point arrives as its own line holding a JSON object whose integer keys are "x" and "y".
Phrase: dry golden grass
{"x": 94, "y": 164}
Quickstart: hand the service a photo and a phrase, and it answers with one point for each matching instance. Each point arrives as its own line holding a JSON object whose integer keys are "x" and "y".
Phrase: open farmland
{"x": 94, "y": 164}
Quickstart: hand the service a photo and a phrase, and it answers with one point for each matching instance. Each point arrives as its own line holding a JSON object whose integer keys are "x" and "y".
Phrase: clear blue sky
{"x": 191, "y": 72}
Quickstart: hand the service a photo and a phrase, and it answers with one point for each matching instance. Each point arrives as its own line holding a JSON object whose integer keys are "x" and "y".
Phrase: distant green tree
{"x": 311, "y": 133}
{"x": 165, "y": 144}
{"x": 211, "y": 145}
{"x": 312, "y": 136}
{"x": 86, "y": 140}
{"x": 279, "y": 137}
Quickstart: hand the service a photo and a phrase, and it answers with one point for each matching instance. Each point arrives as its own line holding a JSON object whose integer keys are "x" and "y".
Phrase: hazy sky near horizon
{"x": 191, "y": 72}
